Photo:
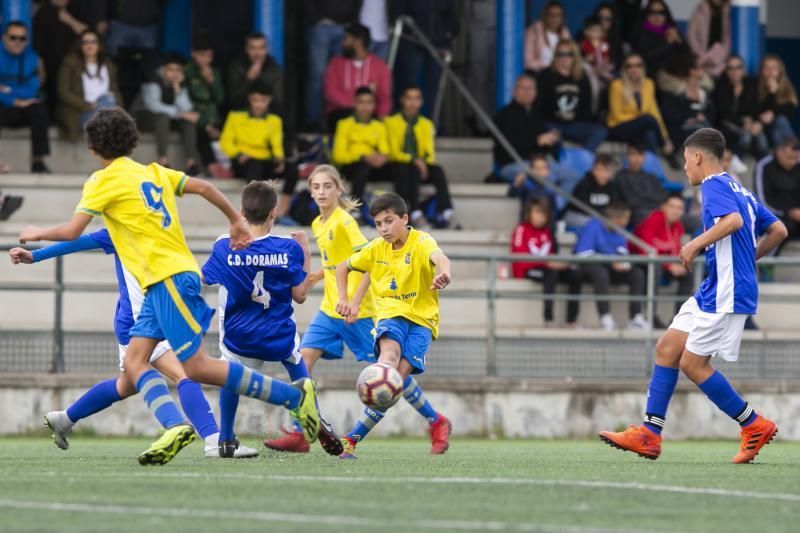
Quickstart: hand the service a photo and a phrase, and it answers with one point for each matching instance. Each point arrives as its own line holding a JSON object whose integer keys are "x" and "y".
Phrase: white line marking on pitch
{"x": 262, "y": 516}
{"x": 633, "y": 485}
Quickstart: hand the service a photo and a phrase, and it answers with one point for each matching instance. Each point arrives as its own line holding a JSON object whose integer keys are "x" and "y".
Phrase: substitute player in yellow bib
{"x": 338, "y": 237}
{"x": 406, "y": 270}
{"x": 137, "y": 203}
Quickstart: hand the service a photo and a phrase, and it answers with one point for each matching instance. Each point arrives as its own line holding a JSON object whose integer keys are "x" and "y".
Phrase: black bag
{"x": 303, "y": 209}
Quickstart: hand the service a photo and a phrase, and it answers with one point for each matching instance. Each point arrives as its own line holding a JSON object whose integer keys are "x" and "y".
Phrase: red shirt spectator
{"x": 529, "y": 240}
{"x": 662, "y": 229}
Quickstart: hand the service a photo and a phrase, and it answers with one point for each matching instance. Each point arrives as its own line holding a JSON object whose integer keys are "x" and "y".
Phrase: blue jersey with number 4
{"x": 256, "y": 318}
{"x": 732, "y": 282}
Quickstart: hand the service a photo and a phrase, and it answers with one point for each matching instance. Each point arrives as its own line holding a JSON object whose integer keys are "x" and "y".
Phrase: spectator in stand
{"x": 9, "y": 204}
{"x": 327, "y": 22}
{"x": 709, "y": 34}
{"x": 438, "y": 21}
{"x": 565, "y": 98}
{"x": 207, "y": 93}
{"x": 640, "y": 190}
{"x": 254, "y": 64}
{"x": 20, "y": 104}
{"x": 167, "y": 103}
{"x": 87, "y": 81}
{"x": 54, "y": 34}
{"x": 596, "y": 238}
{"x": 133, "y": 24}
{"x": 542, "y": 37}
{"x": 361, "y": 147}
{"x": 597, "y": 189}
{"x": 533, "y": 236}
{"x": 355, "y": 68}
{"x": 662, "y": 229}
{"x": 777, "y": 99}
{"x": 522, "y": 124}
{"x": 597, "y": 51}
{"x": 633, "y": 113}
{"x": 375, "y": 16}
{"x": 253, "y": 140}
{"x": 687, "y": 112}
{"x": 657, "y": 36}
{"x": 736, "y": 101}
{"x": 412, "y": 158}
{"x": 605, "y": 13}
{"x": 777, "y": 184}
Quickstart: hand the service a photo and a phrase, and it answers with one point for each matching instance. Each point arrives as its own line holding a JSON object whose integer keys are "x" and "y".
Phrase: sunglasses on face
{"x": 17, "y": 38}
{"x": 656, "y": 12}
{"x": 89, "y": 41}
{"x": 633, "y": 65}
{"x": 564, "y": 54}
{"x": 605, "y": 19}
{"x": 735, "y": 67}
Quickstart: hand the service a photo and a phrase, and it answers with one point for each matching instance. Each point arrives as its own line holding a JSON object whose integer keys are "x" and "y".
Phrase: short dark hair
{"x": 361, "y": 91}
{"x": 112, "y": 133}
{"x": 389, "y": 201}
{"x": 708, "y": 140}
{"x": 789, "y": 141}
{"x": 539, "y": 156}
{"x": 360, "y": 32}
{"x": 259, "y": 86}
{"x": 255, "y": 35}
{"x": 526, "y": 75}
{"x": 17, "y": 23}
{"x": 673, "y": 194}
{"x": 259, "y": 198}
{"x": 202, "y": 40}
{"x": 638, "y": 147}
{"x": 604, "y": 160}
{"x": 411, "y": 87}
{"x": 616, "y": 208}
{"x": 539, "y": 202}
{"x": 173, "y": 58}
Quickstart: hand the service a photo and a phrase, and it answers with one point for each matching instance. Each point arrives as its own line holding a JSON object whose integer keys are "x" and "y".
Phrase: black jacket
{"x": 732, "y": 109}
{"x": 771, "y": 104}
{"x": 777, "y": 188}
{"x": 521, "y": 127}
{"x": 594, "y": 194}
{"x": 564, "y": 100}
{"x": 643, "y": 192}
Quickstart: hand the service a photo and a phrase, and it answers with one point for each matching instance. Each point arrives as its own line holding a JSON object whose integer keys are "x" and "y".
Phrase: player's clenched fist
{"x": 441, "y": 281}
{"x": 20, "y": 255}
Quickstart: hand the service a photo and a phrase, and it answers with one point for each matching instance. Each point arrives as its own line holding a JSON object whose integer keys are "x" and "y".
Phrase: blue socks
{"x": 720, "y": 391}
{"x": 248, "y": 382}
{"x": 156, "y": 395}
{"x": 296, "y": 371}
{"x": 196, "y": 407}
{"x": 662, "y": 385}
{"x": 368, "y": 419}
{"x": 99, "y": 397}
{"x": 414, "y": 395}
{"x": 228, "y": 403}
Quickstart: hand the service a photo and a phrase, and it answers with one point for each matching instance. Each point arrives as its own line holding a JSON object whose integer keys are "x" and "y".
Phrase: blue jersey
{"x": 732, "y": 283}
{"x": 597, "y": 238}
{"x": 256, "y": 318}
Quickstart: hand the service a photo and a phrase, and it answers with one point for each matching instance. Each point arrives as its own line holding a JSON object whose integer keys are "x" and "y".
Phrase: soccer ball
{"x": 379, "y": 386}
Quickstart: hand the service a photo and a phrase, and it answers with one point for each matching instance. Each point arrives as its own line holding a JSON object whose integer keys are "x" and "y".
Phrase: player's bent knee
{"x": 695, "y": 367}
{"x": 670, "y": 347}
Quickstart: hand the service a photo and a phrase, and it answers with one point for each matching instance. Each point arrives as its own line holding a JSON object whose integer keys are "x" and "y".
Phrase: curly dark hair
{"x": 112, "y": 133}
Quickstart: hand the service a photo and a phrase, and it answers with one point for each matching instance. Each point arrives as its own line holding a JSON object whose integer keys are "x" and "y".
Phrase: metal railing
{"x": 491, "y": 293}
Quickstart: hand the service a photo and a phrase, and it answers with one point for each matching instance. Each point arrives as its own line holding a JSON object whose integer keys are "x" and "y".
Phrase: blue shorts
{"x": 330, "y": 334}
{"x": 414, "y": 340}
{"x": 174, "y": 309}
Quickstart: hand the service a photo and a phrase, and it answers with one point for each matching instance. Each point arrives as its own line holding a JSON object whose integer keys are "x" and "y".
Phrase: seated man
{"x": 639, "y": 189}
{"x": 19, "y": 89}
{"x": 253, "y": 139}
{"x": 412, "y": 158}
{"x": 597, "y": 189}
{"x": 777, "y": 184}
{"x": 355, "y": 68}
{"x": 598, "y": 238}
{"x": 361, "y": 146}
{"x": 662, "y": 229}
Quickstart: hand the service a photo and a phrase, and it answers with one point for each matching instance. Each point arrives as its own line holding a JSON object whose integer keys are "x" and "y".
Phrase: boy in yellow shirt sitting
{"x": 253, "y": 140}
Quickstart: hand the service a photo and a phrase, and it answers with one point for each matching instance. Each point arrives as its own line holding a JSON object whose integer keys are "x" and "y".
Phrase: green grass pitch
{"x": 395, "y": 485}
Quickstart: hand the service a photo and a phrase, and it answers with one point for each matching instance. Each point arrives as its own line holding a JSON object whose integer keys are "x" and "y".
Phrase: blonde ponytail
{"x": 345, "y": 202}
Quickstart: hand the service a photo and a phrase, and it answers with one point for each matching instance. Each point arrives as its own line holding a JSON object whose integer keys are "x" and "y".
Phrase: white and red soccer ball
{"x": 379, "y": 386}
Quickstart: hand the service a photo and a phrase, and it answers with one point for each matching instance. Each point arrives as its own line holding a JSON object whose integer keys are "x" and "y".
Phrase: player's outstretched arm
{"x": 68, "y": 231}
{"x": 239, "y": 231}
{"x": 443, "y": 277}
{"x": 81, "y": 244}
{"x": 343, "y": 305}
{"x": 776, "y": 233}
{"x": 724, "y": 227}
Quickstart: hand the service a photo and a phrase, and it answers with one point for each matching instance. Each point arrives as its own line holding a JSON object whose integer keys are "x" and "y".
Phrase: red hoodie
{"x": 530, "y": 240}
{"x": 343, "y": 76}
{"x": 655, "y": 231}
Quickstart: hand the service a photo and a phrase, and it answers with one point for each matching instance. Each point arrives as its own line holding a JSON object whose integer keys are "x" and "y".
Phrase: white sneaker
{"x": 607, "y": 322}
{"x": 638, "y": 322}
{"x": 61, "y": 425}
{"x": 241, "y": 451}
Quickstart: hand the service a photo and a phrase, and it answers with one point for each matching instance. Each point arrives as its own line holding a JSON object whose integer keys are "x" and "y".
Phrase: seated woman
{"x": 87, "y": 81}
{"x": 542, "y": 36}
{"x": 736, "y": 104}
{"x": 657, "y": 36}
{"x": 777, "y": 100}
{"x": 633, "y": 113}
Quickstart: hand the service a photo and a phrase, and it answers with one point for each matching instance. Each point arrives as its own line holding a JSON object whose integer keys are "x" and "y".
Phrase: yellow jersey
{"x": 353, "y": 140}
{"x": 137, "y": 203}
{"x": 337, "y": 239}
{"x": 256, "y": 137}
{"x": 401, "y": 279}
{"x": 424, "y": 132}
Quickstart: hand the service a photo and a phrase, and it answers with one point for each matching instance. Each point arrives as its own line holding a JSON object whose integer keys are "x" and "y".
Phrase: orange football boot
{"x": 637, "y": 439}
{"x": 292, "y": 441}
{"x": 754, "y": 437}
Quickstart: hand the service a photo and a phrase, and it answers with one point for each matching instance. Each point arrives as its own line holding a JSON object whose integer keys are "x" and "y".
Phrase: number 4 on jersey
{"x": 260, "y": 294}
